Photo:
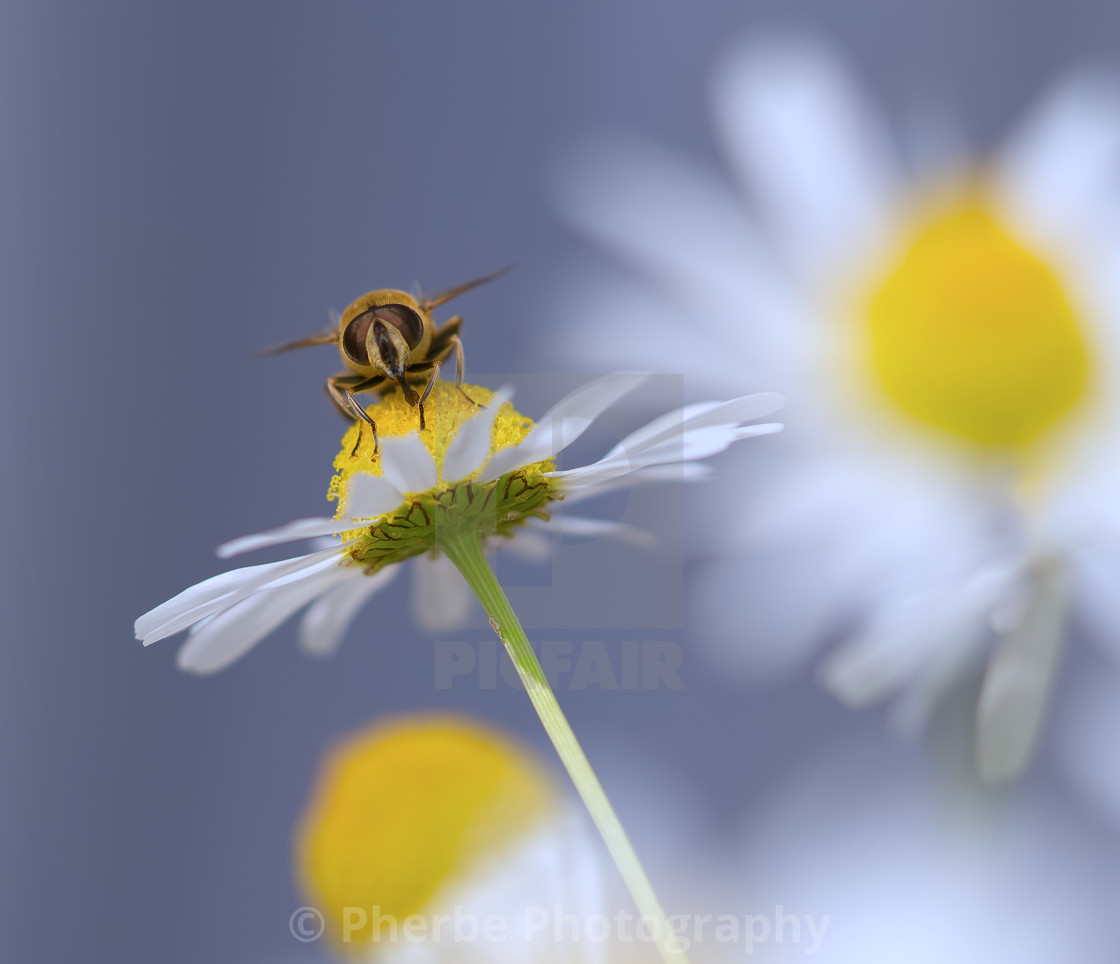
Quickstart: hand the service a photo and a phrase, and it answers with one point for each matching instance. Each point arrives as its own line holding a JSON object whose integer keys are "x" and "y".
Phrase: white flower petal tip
{"x": 224, "y": 590}
{"x": 300, "y": 529}
{"x": 471, "y": 444}
{"x": 561, "y": 425}
{"x": 224, "y": 637}
{"x": 406, "y": 463}
{"x": 681, "y": 437}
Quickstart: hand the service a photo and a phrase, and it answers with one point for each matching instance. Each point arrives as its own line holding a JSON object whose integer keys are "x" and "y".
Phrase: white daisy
{"x": 490, "y": 470}
{"x": 948, "y": 344}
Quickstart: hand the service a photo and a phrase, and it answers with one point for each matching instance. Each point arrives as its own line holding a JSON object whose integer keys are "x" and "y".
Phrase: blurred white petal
{"x": 441, "y": 598}
{"x": 675, "y": 221}
{"x": 1020, "y": 678}
{"x": 571, "y": 525}
{"x": 1057, "y": 171}
{"x": 326, "y": 620}
{"x": 796, "y": 126}
{"x": 902, "y": 642}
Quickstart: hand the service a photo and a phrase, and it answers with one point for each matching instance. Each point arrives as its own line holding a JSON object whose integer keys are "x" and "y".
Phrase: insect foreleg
{"x": 458, "y": 343}
{"x": 343, "y": 388}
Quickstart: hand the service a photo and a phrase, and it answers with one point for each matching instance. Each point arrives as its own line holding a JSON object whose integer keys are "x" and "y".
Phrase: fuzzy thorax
{"x": 426, "y": 518}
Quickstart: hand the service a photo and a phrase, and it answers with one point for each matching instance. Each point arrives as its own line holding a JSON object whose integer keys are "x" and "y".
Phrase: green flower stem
{"x": 463, "y": 547}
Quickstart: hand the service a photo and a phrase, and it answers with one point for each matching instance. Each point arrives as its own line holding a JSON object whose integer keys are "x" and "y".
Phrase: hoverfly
{"x": 388, "y": 340}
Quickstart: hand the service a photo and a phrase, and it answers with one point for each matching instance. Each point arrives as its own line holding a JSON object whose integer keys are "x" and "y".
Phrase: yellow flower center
{"x": 493, "y": 508}
{"x": 445, "y": 409}
{"x": 972, "y": 333}
{"x": 406, "y": 807}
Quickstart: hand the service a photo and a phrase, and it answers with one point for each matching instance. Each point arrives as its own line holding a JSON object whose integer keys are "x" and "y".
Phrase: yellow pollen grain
{"x": 971, "y": 333}
{"x": 406, "y": 807}
{"x": 446, "y": 408}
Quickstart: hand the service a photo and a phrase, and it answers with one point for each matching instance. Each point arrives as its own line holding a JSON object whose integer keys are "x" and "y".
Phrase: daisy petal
{"x": 671, "y": 218}
{"x": 226, "y": 637}
{"x": 1061, "y": 166}
{"x": 530, "y": 544}
{"x": 695, "y": 444}
{"x": 561, "y": 425}
{"x": 1019, "y": 679}
{"x": 806, "y": 145}
{"x": 899, "y": 645}
{"x": 406, "y": 463}
{"x": 471, "y": 444}
{"x": 574, "y": 525}
{"x": 700, "y": 415}
{"x": 690, "y": 472}
{"x": 299, "y": 529}
{"x": 369, "y": 495}
{"x": 218, "y": 593}
{"x": 325, "y": 623}
{"x": 441, "y": 598}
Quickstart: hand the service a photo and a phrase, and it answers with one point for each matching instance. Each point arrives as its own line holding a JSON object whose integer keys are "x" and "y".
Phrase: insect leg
{"x": 458, "y": 343}
{"x": 431, "y": 382}
{"x": 342, "y": 389}
{"x": 427, "y": 391}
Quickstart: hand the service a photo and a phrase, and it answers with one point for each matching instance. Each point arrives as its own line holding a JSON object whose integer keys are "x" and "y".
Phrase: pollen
{"x": 971, "y": 333}
{"x": 405, "y": 809}
{"x": 494, "y": 508}
{"x": 444, "y": 410}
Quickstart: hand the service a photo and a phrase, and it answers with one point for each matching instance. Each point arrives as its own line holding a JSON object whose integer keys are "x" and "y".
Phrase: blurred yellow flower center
{"x": 405, "y": 808}
{"x": 971, "y": 332}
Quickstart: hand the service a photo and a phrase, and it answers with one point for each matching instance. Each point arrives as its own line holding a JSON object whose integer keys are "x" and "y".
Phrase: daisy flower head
{"x": 480, "y": 472}
{"x": 947, "y": 338}
{"x": 469, "y": 477}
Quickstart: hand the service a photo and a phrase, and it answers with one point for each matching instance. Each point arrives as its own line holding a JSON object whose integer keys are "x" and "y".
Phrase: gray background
{"x": 184, "y": 184}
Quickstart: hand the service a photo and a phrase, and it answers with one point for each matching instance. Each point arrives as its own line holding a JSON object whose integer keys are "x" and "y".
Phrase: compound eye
{"x": 404, "y": 319}
{"x": 354, "y": 338}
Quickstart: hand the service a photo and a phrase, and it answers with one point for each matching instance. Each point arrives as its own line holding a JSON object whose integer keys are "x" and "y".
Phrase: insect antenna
{"x": 329, "y": 337}
{"x": 427, "y": 304}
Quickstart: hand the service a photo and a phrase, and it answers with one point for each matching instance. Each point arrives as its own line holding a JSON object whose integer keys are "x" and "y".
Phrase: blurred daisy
{"x": 489, "y": 471}
{"x": 438, "y": 838}
{"x": 469, "y": 851}
{"x": 947, "y": 341}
